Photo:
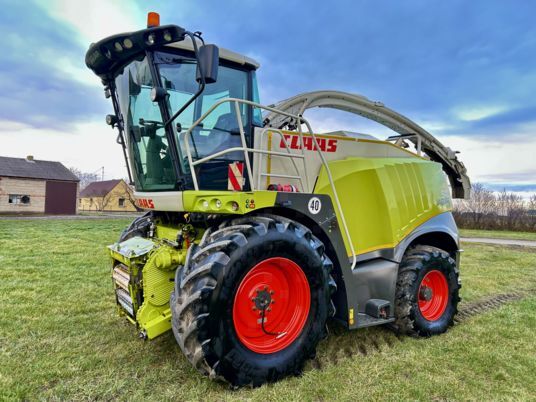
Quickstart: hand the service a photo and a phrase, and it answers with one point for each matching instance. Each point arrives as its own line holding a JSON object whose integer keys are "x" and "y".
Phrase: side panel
{"x": 374, "y": 279}
{"x": 385, "y": 199}
{"x": 217, "y": 202}
{"x": 159, "y": 200}
{"x": 334, "y": 147}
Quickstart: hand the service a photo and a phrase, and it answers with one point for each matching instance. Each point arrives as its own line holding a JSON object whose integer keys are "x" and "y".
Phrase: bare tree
{"x": 531, "y": 213}
{"x": 481, "y": 203}
{"x": 84, "y": 177}
{"x": 129, "y": 195}
{"x": 512, "y": 209}
{"x": 502, "y": 211}
{"x": 102, "y": 202}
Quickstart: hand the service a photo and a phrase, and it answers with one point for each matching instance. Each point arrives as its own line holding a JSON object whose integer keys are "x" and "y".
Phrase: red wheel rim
{"x": 281, "y": 285}
{"x": 433, "y": 295}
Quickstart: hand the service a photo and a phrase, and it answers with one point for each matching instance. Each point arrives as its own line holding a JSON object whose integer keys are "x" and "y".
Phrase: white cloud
{"x": 12, "y": 126}
{"x": 96, "y": 19}
{"x": 492, "y": 160}
{"x": 88, "y": 147}
{"x": 478, "y": 112}
{"x": 75, "y": 70}
{"x": 434, "y": 126}
{"x": 90, "y": 21}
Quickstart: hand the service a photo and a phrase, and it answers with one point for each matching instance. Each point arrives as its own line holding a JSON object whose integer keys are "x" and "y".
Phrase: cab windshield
{"x": 147, "y": 142}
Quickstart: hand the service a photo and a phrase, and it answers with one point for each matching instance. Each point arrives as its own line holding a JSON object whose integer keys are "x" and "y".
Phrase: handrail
{"x": 236, "y": 149}
{"x": 299, "y": 120}
{"x": 395, "y": 138}
{"x": 284, "y": 140}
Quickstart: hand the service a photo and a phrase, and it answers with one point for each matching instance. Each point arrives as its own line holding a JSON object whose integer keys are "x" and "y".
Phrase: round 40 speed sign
{"x": 314, "y": 205}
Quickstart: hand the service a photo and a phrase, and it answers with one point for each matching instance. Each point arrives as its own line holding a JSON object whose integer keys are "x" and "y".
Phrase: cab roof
{"x": 110, "y": 54}
{"x": 225, "y": 54}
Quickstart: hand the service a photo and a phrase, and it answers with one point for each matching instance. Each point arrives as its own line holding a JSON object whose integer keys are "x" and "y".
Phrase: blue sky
{"x": 466, "y": 71}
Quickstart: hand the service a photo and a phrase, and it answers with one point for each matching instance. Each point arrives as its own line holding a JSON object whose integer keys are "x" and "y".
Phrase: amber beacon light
{"x": 153, "y": 20}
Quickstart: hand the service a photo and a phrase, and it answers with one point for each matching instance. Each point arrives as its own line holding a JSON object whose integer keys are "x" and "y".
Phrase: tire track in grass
{"x": 343, "y": 345}
{"x": 486, "y": 304}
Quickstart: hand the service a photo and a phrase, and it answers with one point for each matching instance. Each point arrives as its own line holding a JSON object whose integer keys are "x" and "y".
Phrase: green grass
{"x": 60, "y": 337}
{"x": 498, "y": 234}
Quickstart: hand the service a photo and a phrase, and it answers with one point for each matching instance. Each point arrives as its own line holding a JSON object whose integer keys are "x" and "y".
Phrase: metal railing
{"x": 260, "y": 174}
{"x": 397, "y": 138}
{"x": 247, "y": 150}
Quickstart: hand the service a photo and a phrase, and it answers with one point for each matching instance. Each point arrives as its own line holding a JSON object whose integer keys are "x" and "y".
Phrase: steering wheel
{"x": 156, "y": 124}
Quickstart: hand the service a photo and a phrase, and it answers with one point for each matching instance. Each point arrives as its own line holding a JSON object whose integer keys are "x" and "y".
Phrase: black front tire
{"x": 138, "y": 227}
{"x": 417, "y": 262}
{"x": 202, "y": 303}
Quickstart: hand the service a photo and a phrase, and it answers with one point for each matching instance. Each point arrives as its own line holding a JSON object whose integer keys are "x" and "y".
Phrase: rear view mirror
{"x": 209, "y": 56}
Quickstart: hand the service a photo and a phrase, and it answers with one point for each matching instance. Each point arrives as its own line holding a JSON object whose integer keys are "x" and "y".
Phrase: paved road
{"x": 503, "y": 242}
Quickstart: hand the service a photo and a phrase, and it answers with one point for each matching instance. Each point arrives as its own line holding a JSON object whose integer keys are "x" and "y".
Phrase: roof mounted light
{"x": 153, "y": 20}
{"x": 110, "y": 54}
{"x": 151, "y": 39}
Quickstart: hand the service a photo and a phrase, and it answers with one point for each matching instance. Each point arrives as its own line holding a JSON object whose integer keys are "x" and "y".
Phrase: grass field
{"x": 60, "y": 337}
{"x": 498, "y": 234}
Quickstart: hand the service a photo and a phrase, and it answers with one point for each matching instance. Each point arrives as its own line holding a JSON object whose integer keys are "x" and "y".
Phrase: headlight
{"x": 127, "y": 43}
{"x": 151, "y": 39}
{"x": 111, "y": 119}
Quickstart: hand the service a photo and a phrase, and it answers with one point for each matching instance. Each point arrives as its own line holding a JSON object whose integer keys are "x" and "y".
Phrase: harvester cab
{"x": 259, "y": 230}
{"x": 162, "y": 80}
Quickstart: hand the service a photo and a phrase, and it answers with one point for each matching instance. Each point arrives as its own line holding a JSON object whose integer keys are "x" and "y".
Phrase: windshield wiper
{"x": 202, "y": 85}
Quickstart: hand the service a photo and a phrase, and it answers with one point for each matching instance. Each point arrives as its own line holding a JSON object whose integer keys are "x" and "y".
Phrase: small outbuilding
{"x": 107, "y": 195}
{"x": 29, "y": 186}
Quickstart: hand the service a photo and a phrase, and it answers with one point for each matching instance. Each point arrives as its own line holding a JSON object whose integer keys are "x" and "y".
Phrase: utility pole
{"x": 101, "y": 169}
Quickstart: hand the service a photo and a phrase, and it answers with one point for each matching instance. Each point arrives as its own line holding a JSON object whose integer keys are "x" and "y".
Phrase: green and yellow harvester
{"x": 258, "y": 230}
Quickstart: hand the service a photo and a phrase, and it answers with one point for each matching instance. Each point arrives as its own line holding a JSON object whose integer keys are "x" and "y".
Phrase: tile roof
{"x": 34, "y": 169}
{"x": 99, "y": 188}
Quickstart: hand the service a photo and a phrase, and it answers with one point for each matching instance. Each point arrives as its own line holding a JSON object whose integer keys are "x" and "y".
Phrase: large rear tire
{"x": 427, "y": 292}
{"x": 251, "y": 303}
